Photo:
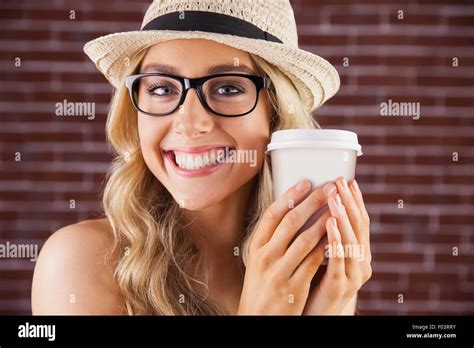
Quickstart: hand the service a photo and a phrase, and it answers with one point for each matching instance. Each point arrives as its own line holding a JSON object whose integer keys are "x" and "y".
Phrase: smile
{"x": 197, "y": 161}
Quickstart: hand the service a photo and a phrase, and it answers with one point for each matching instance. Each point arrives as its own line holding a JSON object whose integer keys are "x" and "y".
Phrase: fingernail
{"x": 334, "y": 223}
{"x": 344, "y": 183}
{"x": 329, "y": 188}
{"x": 356, "y": 187}
{"x": 338, "y": 200}
{"x": 303, "y": 185}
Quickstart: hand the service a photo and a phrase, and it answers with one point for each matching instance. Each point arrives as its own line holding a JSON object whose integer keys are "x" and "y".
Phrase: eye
{"x": 161, "y": 90}
{"x": 228, "y": 90}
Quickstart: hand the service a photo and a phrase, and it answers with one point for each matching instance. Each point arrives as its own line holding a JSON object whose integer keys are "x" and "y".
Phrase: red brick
{"x": 408, "y": 61}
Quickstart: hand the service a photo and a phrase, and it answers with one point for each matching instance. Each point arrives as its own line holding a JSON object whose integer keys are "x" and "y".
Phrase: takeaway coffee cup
{"x": 320, "y": 155}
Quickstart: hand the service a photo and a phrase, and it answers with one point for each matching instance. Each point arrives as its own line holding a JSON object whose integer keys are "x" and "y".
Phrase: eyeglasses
{"x": 228, "y": 95}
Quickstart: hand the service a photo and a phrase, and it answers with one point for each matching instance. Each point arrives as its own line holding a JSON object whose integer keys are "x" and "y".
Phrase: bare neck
{"x": 217, "y": 232}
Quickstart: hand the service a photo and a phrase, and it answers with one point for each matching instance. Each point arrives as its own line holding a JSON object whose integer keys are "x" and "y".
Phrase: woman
{"x": 185, "y": 231}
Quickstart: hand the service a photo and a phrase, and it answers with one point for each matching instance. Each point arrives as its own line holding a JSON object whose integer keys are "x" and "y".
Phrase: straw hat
{"x": 265, "y": 28}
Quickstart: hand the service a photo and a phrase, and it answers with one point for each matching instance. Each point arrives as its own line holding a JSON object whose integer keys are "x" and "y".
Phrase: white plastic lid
{"x": 304, "y": 138}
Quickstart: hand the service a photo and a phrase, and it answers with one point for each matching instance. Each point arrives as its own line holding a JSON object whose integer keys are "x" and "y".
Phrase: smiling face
{"x": 183, "y": 150}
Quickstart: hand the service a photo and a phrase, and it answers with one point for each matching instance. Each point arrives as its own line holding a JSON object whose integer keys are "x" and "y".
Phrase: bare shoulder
{"x": 74, "y": 275}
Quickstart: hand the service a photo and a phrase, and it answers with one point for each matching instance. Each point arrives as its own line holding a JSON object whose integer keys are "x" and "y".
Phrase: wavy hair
{"x": 157, "y": 267}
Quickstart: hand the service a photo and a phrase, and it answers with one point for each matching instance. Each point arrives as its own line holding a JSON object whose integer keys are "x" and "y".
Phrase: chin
{"x": 195, "y": 203}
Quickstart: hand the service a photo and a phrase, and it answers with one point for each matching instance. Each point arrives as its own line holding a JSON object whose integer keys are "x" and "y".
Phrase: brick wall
{"x": 419, "y": 196}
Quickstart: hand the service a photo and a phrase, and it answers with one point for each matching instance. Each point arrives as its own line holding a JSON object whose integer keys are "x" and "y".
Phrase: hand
{"x": 348, "y": 233}
{"x": 280, "y": 263}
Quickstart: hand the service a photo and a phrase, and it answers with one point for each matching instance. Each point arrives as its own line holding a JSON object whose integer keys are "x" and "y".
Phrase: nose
{"x": 192, "y": 119}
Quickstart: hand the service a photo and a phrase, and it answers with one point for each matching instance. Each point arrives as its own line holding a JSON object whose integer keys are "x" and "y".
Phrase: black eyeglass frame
{"x": 196, "y": 83}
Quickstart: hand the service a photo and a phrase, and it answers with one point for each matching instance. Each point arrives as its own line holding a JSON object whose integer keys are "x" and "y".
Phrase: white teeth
{"x": 189, "y": 162}
{"x": 212, "y": 157}
{"x": 198, "y": 161}
{"x": 220, "y": 156}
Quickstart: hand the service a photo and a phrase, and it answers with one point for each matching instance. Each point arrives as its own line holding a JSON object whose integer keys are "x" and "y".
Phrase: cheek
{"x": 151, "y": 131}
{"x": 251, "y": 133}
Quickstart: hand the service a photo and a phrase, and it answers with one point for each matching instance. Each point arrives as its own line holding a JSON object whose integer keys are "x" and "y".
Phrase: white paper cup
{"x": 320, "y": 155}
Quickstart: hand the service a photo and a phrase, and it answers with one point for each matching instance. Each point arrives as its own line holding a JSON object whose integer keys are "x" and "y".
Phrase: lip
{"x": 169, "y": 157}
{"x": 197, "y": 149}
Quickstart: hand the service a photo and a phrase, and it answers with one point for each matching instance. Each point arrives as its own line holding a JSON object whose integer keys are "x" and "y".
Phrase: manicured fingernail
{"x": 356, "y": 187}
{"x": 303, "y": 185}
{"x": 334, "y": 223}
{"x": 344, "y": 183}
{"x": 329, "y": 188}
{"x": 338, "y": 200}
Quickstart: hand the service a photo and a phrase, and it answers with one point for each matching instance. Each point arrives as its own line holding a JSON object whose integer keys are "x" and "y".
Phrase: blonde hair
{"x": 156, "y": 263}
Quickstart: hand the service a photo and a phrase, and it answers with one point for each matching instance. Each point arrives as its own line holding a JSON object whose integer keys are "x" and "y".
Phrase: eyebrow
{"x": 217, "y": 69}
